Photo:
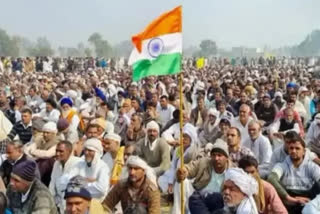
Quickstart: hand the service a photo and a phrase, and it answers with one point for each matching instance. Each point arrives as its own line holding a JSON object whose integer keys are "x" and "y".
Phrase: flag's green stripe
{"x": 163, "y": 65}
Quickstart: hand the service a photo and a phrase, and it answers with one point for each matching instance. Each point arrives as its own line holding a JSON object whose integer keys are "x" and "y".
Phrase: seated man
{"x": 167, "y": 181}
{"x": 242, "y": 121}
{"x": 155, "y": 150}
{"x": 267, "y": 199}
{"x": 114, "y": 156}
{"x": 238, "y": 190}
{"x": 208, "y": 174}
{"x": 138, "y": 193}
{"x": 77, "y": 197}
{"x": 65, "y": 162}
{"x": 15, "y": 155}
{"x": 93, "y": 169}
{"x": 260, "y": 146}
{"x": 236, "y": 151}
{"x": 210, "y": 128}
{"x": 313, "y": 135}
{"x": 296, "y": 179}
{"x": 26, "y": 193}
{"x": 281, "y": 152}
{"x": 279, "y": 128}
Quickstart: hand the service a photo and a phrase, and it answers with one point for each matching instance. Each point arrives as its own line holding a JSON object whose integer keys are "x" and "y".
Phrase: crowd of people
{"x": 77, "y": 136}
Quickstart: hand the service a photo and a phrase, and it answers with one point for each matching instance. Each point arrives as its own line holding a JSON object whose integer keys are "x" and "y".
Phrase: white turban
{"x": 247, "y": 184}
{"x": 95, "y": 145}
{"x": 136, "y": 161}
{"x": 113, "y": 136}
{"x": 191, "y": 131}
{"x": 213, "y": 112}
{"x": 153, "y": 125}
{"x": 50, "y": 127}
{"x": 72, "y": 93}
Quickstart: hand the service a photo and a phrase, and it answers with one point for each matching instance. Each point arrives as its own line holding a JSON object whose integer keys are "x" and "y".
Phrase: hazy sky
{"x": 253, "y": 23}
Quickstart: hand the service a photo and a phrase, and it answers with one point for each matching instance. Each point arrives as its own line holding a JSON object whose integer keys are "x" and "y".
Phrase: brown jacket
{"x": 194, "y": 115}
{"x": 148, "y": 197}
{"x": 201, "y": 170}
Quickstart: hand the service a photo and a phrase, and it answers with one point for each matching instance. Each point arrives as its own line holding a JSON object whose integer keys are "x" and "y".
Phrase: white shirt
{"x": 313, "y": 133}
{"x": 300, "y": 178}
{"x": 100, "y": 171}
{"x": 262, "y": 150}
{"x": 165, "y": 114}
{"x": 243, "y": 129}
{"x": 107, "y": 158}
{"x": 57, "y": 184}
{"x": 52, "y": 116}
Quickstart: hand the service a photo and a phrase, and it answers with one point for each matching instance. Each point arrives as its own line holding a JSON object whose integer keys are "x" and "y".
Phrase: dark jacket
{"x": 194, "y": 115}
{"x": 6, "y": 169}
{"x": 39, "y": 200}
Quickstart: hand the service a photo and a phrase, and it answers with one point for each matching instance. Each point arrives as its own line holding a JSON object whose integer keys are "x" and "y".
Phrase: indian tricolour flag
{"x": 158, "y": 48}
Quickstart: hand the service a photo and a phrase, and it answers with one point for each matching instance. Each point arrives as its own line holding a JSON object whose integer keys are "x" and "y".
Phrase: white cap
{"x": 50, "y": 127}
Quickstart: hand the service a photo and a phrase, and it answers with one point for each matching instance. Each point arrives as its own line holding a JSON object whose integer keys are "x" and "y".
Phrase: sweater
{"x": 158, "y": 157}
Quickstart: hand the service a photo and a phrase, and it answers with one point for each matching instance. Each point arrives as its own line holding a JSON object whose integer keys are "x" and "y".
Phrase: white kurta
{"x": 55, "y": 184}
{"x": 53, "y": 115}
{"x": 99, "y": 171}
{"x": 262, "y": 150}
{"x": 242, "y": 128}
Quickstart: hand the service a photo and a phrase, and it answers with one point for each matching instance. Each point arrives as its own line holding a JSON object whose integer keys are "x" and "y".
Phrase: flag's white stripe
{"x": 172, "y": 44}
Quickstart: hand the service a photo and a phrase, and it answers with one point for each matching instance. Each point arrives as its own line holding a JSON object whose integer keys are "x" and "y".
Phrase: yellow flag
{"x": 200, "y": 63}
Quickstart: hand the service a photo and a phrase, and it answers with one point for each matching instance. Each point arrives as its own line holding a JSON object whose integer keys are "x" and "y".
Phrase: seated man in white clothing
{"x": 260, "y": 147}
{"x": 113, "y": 156}
{"x": 95, "y": 170}
{"x": 313, "y": 135}
{"x": 64, "y": 163}
{"x": 242, "y": 121}
{"x": 279, "y": 128}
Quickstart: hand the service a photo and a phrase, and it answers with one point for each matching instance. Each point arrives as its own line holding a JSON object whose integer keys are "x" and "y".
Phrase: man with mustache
{"x": 155, "y": 150}
{"x": 137, "y": 194}
{"x": 208, "y": 174}
{"x": 238, "y": 190}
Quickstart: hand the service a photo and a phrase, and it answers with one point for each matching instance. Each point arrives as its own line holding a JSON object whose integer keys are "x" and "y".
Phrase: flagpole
{"x": 181, "y": 142}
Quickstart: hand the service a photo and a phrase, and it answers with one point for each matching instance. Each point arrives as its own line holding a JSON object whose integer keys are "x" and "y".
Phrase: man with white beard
{"x": 238, "y": 190}
{"x": 95, "y": 170}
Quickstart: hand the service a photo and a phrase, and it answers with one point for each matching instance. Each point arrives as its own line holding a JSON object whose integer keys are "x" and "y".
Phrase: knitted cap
{"x": 77, "y": 188}
{"x": 221, "y": 147}
{"x": 25, "y": 170}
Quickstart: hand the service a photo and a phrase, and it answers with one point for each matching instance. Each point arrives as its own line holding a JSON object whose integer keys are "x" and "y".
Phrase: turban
{"x": 50, "y": 127}
{"x": 100, "y": 122}
{"x": 72, "y": 93}
{"x": 247, "y": 184}
{"x": 95, "y": 145}
{"x": 191, "y": 132}
{"x": 113, "y": 136}
{"x": 66, "y": 100}
{"x": 153, "y": 125}
{"x": 213, "y": 112}
{"x": 138, "y": 162}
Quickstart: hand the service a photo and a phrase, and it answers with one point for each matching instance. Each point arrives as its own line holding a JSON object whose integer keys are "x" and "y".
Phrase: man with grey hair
{"x": 260, "y": 146}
